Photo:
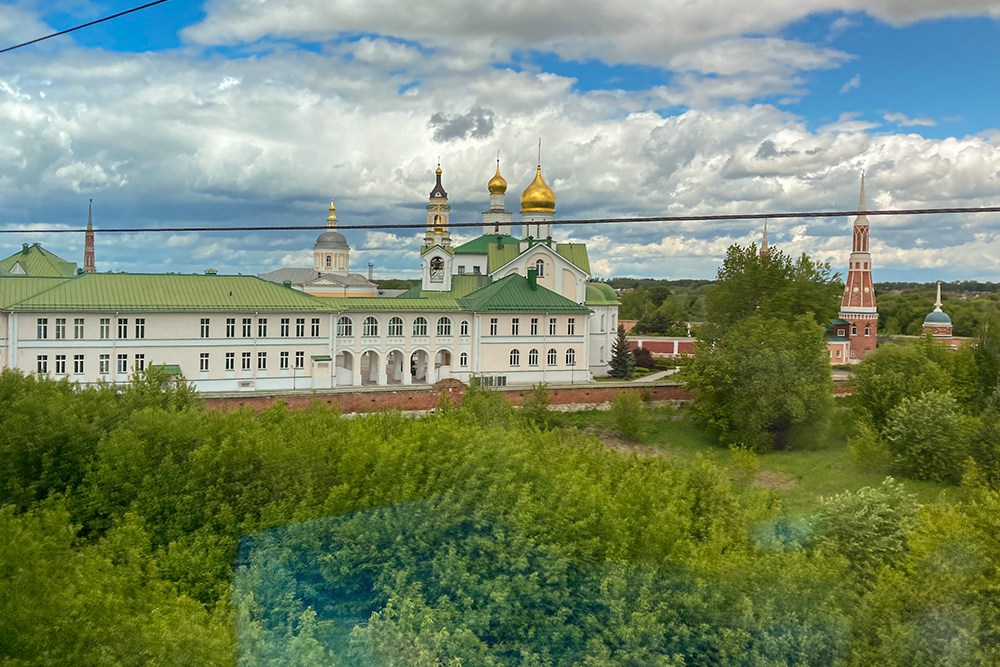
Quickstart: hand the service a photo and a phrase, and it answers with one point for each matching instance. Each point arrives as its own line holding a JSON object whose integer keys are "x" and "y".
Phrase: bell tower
{"x": 858, "y": 304}
{"x": 438, "y": 211}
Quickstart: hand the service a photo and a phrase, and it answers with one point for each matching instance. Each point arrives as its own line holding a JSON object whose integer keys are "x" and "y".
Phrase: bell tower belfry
{"x": 858, "y": 304}
{"x": 438, "y": 211}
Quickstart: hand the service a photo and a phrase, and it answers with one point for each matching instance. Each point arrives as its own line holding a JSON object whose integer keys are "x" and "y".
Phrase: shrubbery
{"x": 926, "y": 438}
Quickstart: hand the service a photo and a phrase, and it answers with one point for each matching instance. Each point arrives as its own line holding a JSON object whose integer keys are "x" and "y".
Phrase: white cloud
{"x": 906, "y": 121}
{"x": 854, "y": 82}
{"x": 848, "y": 122}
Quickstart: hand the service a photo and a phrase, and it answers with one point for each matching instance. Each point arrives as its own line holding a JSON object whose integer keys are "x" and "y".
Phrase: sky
{"x": 252, "y": 112}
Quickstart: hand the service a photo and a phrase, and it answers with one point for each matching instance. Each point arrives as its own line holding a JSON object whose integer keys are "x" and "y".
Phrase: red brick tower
{"x": 858, "y": 306}
{"x": 88, "y": 242}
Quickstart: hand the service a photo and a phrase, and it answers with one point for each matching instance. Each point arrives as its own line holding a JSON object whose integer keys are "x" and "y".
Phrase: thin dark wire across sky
{"x": 83, "y": 25}
{"x": 592, "y": 221}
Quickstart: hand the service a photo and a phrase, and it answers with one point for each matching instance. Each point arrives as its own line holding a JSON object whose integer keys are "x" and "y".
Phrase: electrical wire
{"x": 592, "y": 221}
{"x": 84, "y": 25}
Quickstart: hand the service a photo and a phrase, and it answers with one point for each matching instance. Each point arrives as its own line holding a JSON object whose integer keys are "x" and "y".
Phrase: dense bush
{"x": 927, "y": 438}
{"x": 644, "y": 358}
{"x": 630, "y": 415}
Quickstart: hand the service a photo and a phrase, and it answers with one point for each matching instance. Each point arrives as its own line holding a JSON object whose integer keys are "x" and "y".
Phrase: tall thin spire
{"x": 539, "y": 152}
{"x": 764, "y": 250}
{"x": 88, "y": 242}
{"x": 937, "y": 304}
{"x": 861, "y": 198}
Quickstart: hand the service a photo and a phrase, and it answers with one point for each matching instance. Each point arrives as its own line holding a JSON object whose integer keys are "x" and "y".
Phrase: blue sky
{"x": 247, "y": 112}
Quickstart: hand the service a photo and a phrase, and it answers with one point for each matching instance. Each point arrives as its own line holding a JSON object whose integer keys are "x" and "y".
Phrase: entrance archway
{"x": 442, "y": 364}
{"x": 369, "y": 367}
{"x": 419, "y": 362}
{"x": 395, "y": 367}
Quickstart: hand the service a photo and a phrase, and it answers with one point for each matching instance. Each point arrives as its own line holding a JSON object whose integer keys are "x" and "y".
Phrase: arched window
{"x": 345, "y": 327}
{"x": 463, "y": 360}
{"x": 533, "y": 358}
{"x": 437, "y": 270}
{"x": 602, "y": 354}
{"x": 420, "y": 326}
{"x": 464, "y": 328}
{"x": 602, "y": 322}
{"x": 868, "y": 330}
{"x": 515, "y": 357}
{"x": 571, "y": 357}
{"x": 396, "y": 326}
{"x": 369, "y": 327}
{"x": 553, "y": 357}
{"x": 444, "y": 326}
{"x": 540, "y": 267}
{"x": 329, "y": 263}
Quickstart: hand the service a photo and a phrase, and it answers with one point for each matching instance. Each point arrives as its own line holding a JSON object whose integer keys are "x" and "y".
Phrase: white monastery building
{"x": 503, "y": 309}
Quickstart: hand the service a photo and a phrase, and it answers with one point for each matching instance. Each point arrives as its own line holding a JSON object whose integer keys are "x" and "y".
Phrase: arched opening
{"x": 369, "y": 367}
{"x": 329, "y": 262}
{"x": 540, "y": 268}
{"x": 395, "y": 367}
{"x": 437, "y": 270}
{"x": 419, "y": 362}
{"x": 442, "y": 364}
{"x": 343, "y": 368}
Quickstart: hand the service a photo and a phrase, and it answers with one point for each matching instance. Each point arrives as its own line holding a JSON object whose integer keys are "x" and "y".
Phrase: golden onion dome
{"x": 538, "y": 196}
{"x": 497, "y": 185}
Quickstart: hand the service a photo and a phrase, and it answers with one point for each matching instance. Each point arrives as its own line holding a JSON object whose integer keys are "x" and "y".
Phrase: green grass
{"x": 799, "y": 478}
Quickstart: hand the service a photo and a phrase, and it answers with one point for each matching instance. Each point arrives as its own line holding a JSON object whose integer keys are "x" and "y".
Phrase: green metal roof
{"x": 838, "y": 322}
{"x": 447, "y": 249}
{"x": 461, "y": 285}
{"x": 125, "y": 292}
{"x": 576, "y": 254}
{"x": 838, "y": 339}
{"x": 481, "y": 245}
{"x": 36, "y": 261}
{"x": 444, "y": 302}
{"x": 321, "y": 357}
{"x": 170, "y": 369}
{"x": 497, "y": 257}
{"x": 937, "y": 317}
{"x": 599, "y": 294}
{"x": 17, "y": 288}
{"x": 513, "y": 294}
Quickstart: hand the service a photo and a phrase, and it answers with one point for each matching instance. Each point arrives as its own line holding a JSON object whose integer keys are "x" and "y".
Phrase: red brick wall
{"x": 663, "y": 346}
{"x": 426, "y": 399}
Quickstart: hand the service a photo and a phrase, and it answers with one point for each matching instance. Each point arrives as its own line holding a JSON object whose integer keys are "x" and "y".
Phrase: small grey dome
{"x": 937, "y": 317}
{"x": 332, "y": 239}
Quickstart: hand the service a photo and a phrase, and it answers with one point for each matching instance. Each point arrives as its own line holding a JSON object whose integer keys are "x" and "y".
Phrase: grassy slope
{"x": 798, "y": 477}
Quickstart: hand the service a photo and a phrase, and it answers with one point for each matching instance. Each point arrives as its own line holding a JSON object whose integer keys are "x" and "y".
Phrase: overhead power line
{"x": 592, "y": 221}
{"x": 84, "y": 25}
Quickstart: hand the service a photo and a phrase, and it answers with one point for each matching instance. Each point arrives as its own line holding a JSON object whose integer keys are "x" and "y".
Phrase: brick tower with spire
{"x": 858, "y": 305}
{"x": 88, "y": 242}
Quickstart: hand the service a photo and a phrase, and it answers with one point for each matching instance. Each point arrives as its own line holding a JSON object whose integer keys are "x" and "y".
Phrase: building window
{"x": 261, "y": 327}
{"x": 140, "y": 327}
{"x": 838, "y": 354}
{"x": 463, "y": 360}
{"x": 60, "y": 364}
{"x": 475, "y": 270}
{"x": 540, "y": 268}
{"x": 533, "y": 358}
{"x": 230, "y": 327}
{"x": 420, "y": 326}
{"x": 493, "y": 326}
{"x": 345, "y": 327}
{"x": 552, "y": 326}
{"x": 571, "y": 326}
{"x": 123, "y": 363}
{"x": 854, "y": 329}
{"x": 840, "y": 332}
{"x": 437, "y": 270}
{"x": 461, "y": 269}
{"x": 43, "y": 328}
{"x": 230, "y": 361}
{"x": 553, "y": 357}
{"x": 868, "y": 330}
{"x": 329, "y": 262}
{"x": 122, "y": 328}
{"x": 60, "y": 328}
{"x": 105, "y": 328}
{"x": 300, "y": 359}
{"x": 515, "y": 325}
{"x": 515, "y": 357}
{"x": 534, "y": 326}
{"x": 602, "y": 322}
{"x": 369, "y": 327}
{"x": 854, "y": 352}
{"x": 203, "y": 361}
{"x": 571, "y": 357}
{"x": 140, "y": 362}
{"x": 444, "y": 326}
{"x": 463, "y": 328}
{"x": 78, "y": 364}
{"x": 43, "y": 363}
{"x": 396, "y": 326}
{"x": 315, "y": 327}
{"x": 262, "y": 361}
{"x": 78, "y": 328}
{"x": 283, "y": 361}
{"x": 205, "y": 327}
{"x": 247, "y": 323}
{"x": 285, "y": 322}
{"x": 300, "y": 326}
{"x": 245, "y": 361}
{"x": 104, "y": 364}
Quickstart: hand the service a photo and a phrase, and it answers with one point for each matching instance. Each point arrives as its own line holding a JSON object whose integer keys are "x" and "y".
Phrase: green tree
{"x": 622, "y": 362}
{"x": 893, "y": 373}
{"x": 926, "y": 437}
{"x": 765, "y": 384}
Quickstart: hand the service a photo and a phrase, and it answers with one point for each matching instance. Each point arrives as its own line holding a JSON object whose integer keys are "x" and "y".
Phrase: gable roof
{"x": 36, "y": 261}
{"x": 17, "y": 288}
{"x": 513, "y": 294}
{"x": 497, "y": 257}
{"x": 132, "y": 292}
{"x": 304, "y": 276}
{"x": 575, "y": 254}
{"x": 481, "y": 245}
